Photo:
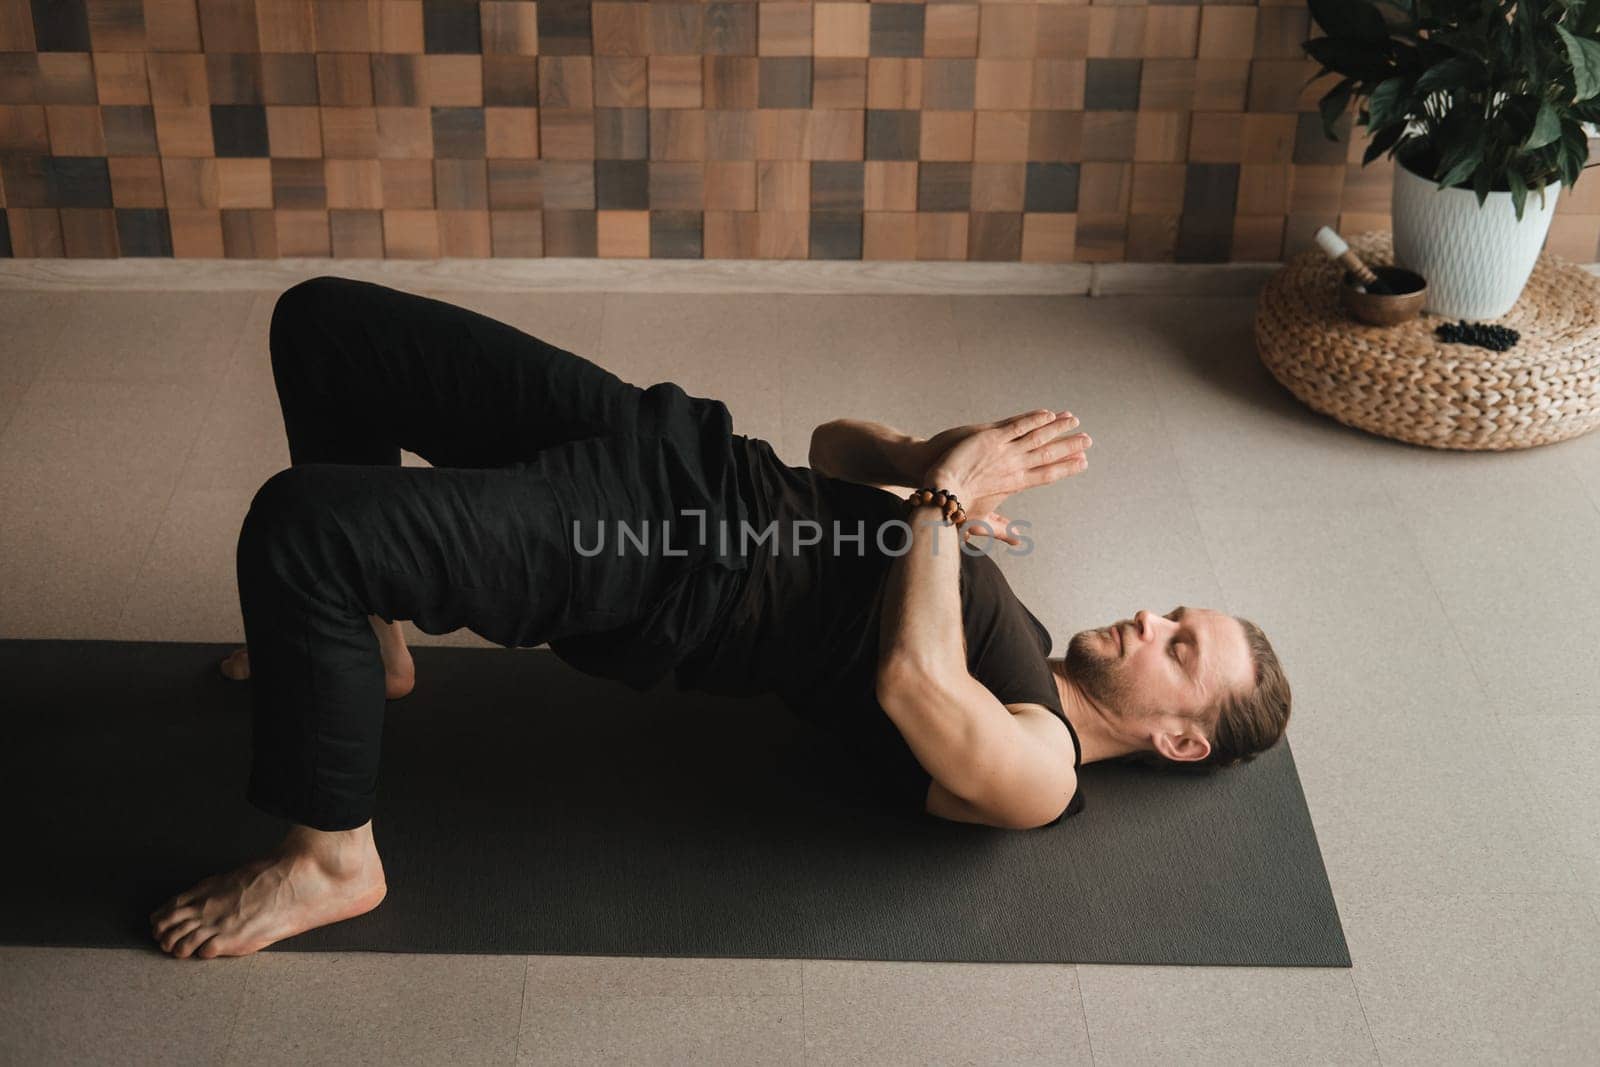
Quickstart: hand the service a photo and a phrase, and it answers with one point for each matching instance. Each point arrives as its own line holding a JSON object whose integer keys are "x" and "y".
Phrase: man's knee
{"x": 293, "y": 502}
{"x": 306, "y": 301}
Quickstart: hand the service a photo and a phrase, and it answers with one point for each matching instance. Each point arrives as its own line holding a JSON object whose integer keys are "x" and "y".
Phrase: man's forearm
{"x": 867, "y": 452}
{"x": 923, "y": 682}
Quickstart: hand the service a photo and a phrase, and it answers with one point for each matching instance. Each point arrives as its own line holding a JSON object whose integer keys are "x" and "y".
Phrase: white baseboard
{"x": 654, "y": 275}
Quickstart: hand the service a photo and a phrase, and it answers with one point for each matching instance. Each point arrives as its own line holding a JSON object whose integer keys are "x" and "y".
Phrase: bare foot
{"x": 399, "y": 672}
{"x": 314, "y": 878}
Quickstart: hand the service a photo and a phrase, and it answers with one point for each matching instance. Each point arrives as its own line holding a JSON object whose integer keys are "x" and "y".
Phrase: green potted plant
{"x": 1481, "y": 104}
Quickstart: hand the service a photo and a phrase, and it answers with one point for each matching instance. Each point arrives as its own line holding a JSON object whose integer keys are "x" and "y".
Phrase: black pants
{"x": 523, "y": 437}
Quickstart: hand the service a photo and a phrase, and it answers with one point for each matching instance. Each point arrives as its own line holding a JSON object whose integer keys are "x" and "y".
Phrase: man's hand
{"x": 985, "y": 463}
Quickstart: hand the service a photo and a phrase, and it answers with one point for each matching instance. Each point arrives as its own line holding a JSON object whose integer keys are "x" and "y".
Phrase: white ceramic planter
{"x": 1476, "y": 259}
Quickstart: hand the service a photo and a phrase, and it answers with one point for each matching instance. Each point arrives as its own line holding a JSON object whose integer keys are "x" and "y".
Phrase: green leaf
{"x": 1481, "y": 182}
{"x": 1585, "y": 56}
{"x": 1333, "y": 105}
{"x": 1519, "y": 190}
{"x": 1387, "y": 103}
{"x": 1546, "y": 127}
{"x": 1457, "y": 72}
{"x": 1460, "y": 161}
{"x": 1382, "y": 141}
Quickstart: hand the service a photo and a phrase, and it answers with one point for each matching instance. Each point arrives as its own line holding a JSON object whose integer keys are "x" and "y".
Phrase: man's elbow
{"x": 817, "y": 456}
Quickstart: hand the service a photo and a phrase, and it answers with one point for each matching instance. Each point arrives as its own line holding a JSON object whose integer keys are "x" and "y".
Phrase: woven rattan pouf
{"x": 1404, "y": 382}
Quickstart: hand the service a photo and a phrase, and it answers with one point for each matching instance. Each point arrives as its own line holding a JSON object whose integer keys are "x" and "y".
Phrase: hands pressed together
{"x": 984, "y": 463}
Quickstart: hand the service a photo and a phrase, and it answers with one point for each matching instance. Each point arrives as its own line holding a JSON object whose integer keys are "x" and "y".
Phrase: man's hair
{"x": 1241, "y": 725}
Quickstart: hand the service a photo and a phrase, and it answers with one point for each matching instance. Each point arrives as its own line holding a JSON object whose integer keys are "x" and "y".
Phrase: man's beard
{"x": 1091, "y": 662}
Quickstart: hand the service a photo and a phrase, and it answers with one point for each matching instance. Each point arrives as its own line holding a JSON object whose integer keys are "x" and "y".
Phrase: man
{"x": 869, "y": 613}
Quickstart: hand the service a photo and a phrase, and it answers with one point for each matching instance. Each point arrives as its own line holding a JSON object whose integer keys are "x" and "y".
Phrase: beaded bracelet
{"x": 946, "y": 500}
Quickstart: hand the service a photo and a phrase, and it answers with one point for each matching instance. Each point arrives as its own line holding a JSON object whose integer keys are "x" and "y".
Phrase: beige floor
{"x": 1438, "y": 614}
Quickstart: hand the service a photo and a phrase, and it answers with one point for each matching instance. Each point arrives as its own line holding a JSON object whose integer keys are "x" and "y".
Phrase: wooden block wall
{"x": 1035, "y": 131}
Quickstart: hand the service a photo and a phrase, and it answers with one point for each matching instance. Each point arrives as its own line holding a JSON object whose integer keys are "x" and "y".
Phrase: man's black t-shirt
{"x": 805, "y": 620}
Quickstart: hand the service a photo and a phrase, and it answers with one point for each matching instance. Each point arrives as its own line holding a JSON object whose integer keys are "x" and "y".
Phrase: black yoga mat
{"x": 527, "y": 808}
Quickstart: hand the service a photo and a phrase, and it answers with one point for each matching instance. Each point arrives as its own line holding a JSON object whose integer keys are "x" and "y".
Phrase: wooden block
{"x": 889, "y": 186}
{"x": 676, "y": 187}
{"x": 565, "y": 133}
{"x": 724, "y": 135}
{"x": 1263, "y": 189}
{"x": 995, "y": 236}
{"x": 620, "y": 29}
{"x": 461, "y": 185}
{"x": 190, "y": 182}
{"x": 244, "y": 183}
{"x": 945, "y": 135}
{"x": 400, "y": 25}
{"x": 75, "y": 130}
{"x": 839, "y": 82}
{"x": 1008, "y": 31}
{"x": 896, "y": 29}
{"x": 568, "y": 187}
{"x": 890, "y": 235}
{"x": 1104, "y": 189}
{"x": 1161, "y": 136}
{"x": 731, "y": 235}
{"x": 949, "y": 31}
{"x": 731, "y": 82}
{"x": 729, "y": 30}
{"x": 1114, "y": 33}
{"x": 178, "y": 79}
{"x": 997, "y": 188}
{"x": 121, "y": 78}
{"x": 464, "y": 234}
{"x": 248, "y": 234}
{"x": 680, "y": 133}
{"x": 517, "y": 234}
{"x": 353, "y": 183}
{"x": 512, "y": 28}
{"x": 235, "y": 77}
{"x": 455, "y": 80}
{"x": 344, "y": 80}
{"x": 621, "y": 81}
{"x": 16, "y": 34}
{"x": 1001, "y": 136}
{"x": 1048, "y": 237}
{"x": 405, "y": 132}
{"x": 1257, "y": 238}
{"x": 300, "y": 184}
{"x": 837, "y": 186}
{"x": 942, "y": 235}
{"x": 23, "y": 129}
{"x": 511, "y": 81}
{"x": 840, "y": 30}
{"x": 1367, "y": 190}
{"x": 1004, "y": 84}
{"x": 356, "y": 234}
{"x": 407, "y": 183}
{"x": 355, "y": 26}
{"x": 675, "y": 81}
{"x": 675, "y": 235}
{"x": 184, "y": 132}
{"x": 285, "y": 26}
{"x": 515, "y": 185}
{"x": 949, "y": 84}
{"x": 566, "y": 82}
{"x": 784, "y": 30}
{"x": 782, "y": 234}
{"x": 1063, "y": 31}
{"x": 295, "y": 132}
{"x": 349, "y": 132}
{"x": 36, "y": 233}
{"x": 1157, "y": 189}
{"x": 944, "y": 187}
{"x": 894, "y": 83}
{"x": 783, "y": 186}
{"x": 197, "y": 233}
{"x": 836, "y": 135}
{"x": 399, "y": 81}
{"x": 1316, "y": 188}
{"x": 621, "y": 133}
{"x": 136, "y": 182}
{"x": 227, "y": 26}
{"x": 730, "y": 187}
{"x": 1280, "y": 31}
{"x": 289, "y": 80}
{"x": 1055, "y": 135}
{"x": 1227, "y": 32}
{"x": 410, "y": 234}
{"x": 1171, "y": 32}
{"x": 130, "y": 131}
{"x": 1268, "y": 138}
{"x": 834, "y": 235}
{"x": 1220, "y": 84}
{"x": 677, "y": 29}
{"x": 622, "y": 234}
{"x": 1280, "y": 85}
{"x": 89, "y": 233}
{"x": 1100, "y": 238}
{"x": 172, "y": 25}
{"x": 1059, "y": 83}
{"x": 1216, "y": 136}
{"x": 1107, "y": 135}
{"x": 511, "y": 132}
{"x": 1151, "y": 238}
